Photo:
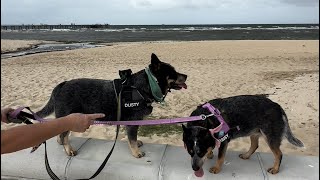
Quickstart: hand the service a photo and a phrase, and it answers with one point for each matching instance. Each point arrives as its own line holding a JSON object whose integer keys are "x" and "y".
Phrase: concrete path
{"x": 162, "y": 162}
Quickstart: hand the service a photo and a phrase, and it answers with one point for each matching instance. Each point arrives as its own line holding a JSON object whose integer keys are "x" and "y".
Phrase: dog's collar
{"x": 155, "y": 88}
{"x": 222, "y": 129}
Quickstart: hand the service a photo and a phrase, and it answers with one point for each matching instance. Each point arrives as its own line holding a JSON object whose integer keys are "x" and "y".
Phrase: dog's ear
{"x": 125, "y": 73}
{"x": 129, "y": 72}
{"x": 155, "y": 62}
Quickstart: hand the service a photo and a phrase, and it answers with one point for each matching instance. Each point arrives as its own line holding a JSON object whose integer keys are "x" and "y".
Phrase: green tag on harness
{"x": 155, "y": 88}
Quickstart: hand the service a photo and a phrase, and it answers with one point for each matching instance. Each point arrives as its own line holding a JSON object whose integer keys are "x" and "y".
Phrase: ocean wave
{"x": 109, "y": 30}
{"x": 184, "y": 28}
{"x": 64, "y": 30}
{"x": 195, "y": 28}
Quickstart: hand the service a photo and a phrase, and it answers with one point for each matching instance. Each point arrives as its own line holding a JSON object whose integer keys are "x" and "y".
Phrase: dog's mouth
{"x": 179, "y": 82}
{"x": 197, "y": 163}
{"x": 178, "y": 86}
{"x": 199, "y": 173}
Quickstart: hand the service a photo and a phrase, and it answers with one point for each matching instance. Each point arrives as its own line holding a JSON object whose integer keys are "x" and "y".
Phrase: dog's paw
{"x": 215, "y": 170}
{"x": 273, "y": 170}
{"x": 210, "y": 155}
{"x": 140, "y": 143}
{"x": 71, "y": 153}
{"x": 244, "y": 156}
{"x": 139, "y": 154}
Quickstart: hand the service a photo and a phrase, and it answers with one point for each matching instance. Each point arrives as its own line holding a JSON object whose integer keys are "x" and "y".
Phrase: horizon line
{"x": 160, "y": 24}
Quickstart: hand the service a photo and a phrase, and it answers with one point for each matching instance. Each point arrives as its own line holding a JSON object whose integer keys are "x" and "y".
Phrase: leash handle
{"x": 18, "y": 114}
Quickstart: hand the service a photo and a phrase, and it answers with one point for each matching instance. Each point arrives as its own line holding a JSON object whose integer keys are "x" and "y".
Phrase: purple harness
{"x": 222, "y": 129}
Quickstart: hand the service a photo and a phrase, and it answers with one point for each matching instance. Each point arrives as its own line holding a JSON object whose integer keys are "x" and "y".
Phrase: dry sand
{"x": 289, "y": 70}
{"x": 14, "y": 45}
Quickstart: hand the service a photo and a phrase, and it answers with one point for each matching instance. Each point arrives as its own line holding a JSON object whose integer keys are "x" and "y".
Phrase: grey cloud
{"x": 197, "y": 4}
{"x": 302, "y": 2}
{"x": 144, "y": 3}
{"x": 159, "y": 11}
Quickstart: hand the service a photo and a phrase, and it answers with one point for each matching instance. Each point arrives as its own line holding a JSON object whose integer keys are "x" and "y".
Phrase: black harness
{"x": 132, "y": 100}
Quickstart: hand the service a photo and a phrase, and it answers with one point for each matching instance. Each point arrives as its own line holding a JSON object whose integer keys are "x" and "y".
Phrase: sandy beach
{"x": 14, "y": 45}
{"x": 288, "y": 70}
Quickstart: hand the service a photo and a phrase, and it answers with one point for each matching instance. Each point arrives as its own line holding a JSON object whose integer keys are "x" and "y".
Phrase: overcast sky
{"x": 159, "y": 11}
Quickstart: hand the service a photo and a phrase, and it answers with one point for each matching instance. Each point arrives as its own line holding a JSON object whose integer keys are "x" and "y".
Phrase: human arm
{"x": 22, "y": 137}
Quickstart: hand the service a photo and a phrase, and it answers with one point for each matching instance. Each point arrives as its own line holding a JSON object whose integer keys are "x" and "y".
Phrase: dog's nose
{"x": 185, "y": 76}
{"x": 195, "y": 167}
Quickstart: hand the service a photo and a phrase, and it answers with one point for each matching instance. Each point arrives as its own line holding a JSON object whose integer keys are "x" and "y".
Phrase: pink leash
{"x": 214, "y": 112}
{"x": 16, "y": 112}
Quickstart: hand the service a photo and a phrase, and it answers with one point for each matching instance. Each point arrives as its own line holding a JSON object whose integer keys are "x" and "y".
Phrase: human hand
{"x": 81, "y": 122}
{"x": 4, "y": 114}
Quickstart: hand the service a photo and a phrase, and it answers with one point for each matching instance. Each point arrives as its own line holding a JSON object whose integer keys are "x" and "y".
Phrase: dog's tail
{"x": 288, "y": 133}
{"x": 49, "y": 107}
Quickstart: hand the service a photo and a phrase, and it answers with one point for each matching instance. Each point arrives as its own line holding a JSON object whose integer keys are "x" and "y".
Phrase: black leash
{"x": 115, "y": 140}
{"x": 106, "y": 159}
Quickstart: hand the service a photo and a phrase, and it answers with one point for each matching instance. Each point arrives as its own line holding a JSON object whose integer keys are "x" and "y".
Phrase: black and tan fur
{"x": 98, "y": 96}
{"x": 256, "y": 116}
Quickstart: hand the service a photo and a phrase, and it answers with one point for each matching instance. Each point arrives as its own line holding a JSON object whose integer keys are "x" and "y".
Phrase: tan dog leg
{"x": 277, "y": 160}
{"x": 221, "y": 155}
{"x": 59, "y": 140}
{"x": 135, "y": 149}
{"x": 134, "y": 144}
{"x": 66, "y": 144}
{"x": 275, "y": 148}
{"x": 254, "y": 146}
{"x": 210, "y": 153}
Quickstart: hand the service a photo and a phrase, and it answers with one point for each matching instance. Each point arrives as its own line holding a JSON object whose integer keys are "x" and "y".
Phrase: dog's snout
{"x": 195, "y": 167}
{"x": 196, "y": 162}
{"x": 184, "y": 76}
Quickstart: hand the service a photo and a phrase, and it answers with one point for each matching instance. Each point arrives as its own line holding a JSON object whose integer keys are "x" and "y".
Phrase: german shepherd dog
{"x": 254, "y": 115}
{"x": 100, "y": 96}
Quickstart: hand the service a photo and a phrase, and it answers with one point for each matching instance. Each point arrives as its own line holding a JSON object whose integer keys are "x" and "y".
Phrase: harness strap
{"x": 223, "y": 127}
{"x": 217, "y": 114}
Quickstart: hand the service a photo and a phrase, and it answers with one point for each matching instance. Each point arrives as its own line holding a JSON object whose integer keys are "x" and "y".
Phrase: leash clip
{"x": 203, "y": 117}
